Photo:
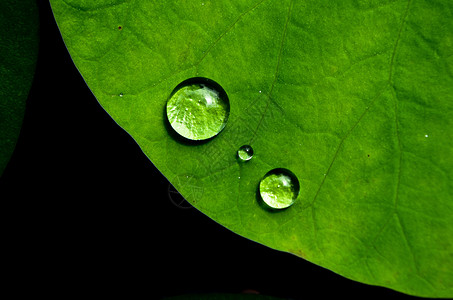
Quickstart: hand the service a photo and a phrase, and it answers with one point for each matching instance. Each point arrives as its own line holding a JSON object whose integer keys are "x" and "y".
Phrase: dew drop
{"x": 426, "y": 135}
{"x": 279, "y": 189}
{"x": 245, "y": 153}
{"x": 208, "y": 104}
{"x": 121, "y": 94}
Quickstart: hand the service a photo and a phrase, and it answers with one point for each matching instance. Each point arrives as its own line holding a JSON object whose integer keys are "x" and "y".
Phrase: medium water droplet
{"x": 245, "y": 153}
{"x": 279, "y": 188}
{"x": 208, "y": 104}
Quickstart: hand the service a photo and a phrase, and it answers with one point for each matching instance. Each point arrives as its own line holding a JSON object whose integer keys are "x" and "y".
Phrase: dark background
{"x": 90, "y": 214}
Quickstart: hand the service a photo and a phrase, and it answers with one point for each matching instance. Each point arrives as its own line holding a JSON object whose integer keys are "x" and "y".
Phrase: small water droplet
{"x": 426, "y": 135}
{"x": 260, "y": 92}
{"x": 121, "y": 94}
{"x": 279, "y": 188}
{"x": 208, "y": 117}
{"x": 245, "y": 153}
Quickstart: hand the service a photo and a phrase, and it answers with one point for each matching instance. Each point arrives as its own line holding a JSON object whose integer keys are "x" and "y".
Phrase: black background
{"x": 91, "y": 215}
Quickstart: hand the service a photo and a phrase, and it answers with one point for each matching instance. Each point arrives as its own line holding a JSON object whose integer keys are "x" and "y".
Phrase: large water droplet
{"x": 245, "y": 153}
{"x": 198, "y": 109}
{"x": 279, "y": 188}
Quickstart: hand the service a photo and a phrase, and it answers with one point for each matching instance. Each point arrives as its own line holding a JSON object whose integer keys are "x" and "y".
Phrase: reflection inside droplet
{"x": 245, "y": 153}
{"x": 279, "y": 188}
{"x": 198, "y": 109}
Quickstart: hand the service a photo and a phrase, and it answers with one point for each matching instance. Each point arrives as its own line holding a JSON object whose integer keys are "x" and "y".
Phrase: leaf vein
{"x": 342, "y": 142}
{"x": 212, "y": 45}
{"x": 398, "y": 38}
{"x": 280, "y": 52}
{"x": 406, "y": 241}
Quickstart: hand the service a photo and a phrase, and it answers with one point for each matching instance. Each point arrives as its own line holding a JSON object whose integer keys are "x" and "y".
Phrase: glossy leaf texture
{"x": 354, "y": 97}
{"x": 19, "y": 24}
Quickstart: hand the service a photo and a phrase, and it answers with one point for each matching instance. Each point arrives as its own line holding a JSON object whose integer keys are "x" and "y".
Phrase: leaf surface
{"x": 355, "y": 98}
{"x": 18, "y": 55}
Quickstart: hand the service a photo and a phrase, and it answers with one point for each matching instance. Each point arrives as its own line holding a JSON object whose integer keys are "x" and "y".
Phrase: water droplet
{"x": 279, "y": 188}
{"x": 426, "y": 135}
{"x": 245, "y": 153}
{"x": 121, "y": 94}
{"x": 209, "y": 109}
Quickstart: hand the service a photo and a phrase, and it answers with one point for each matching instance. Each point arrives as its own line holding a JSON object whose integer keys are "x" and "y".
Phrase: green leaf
{"x": 18, "y": 55}
{"x": 354, "y": 97}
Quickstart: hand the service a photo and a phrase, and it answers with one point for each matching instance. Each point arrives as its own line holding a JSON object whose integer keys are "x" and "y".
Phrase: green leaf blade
{"x": 354, "y": 98}
{"x": 18, "y": 55}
